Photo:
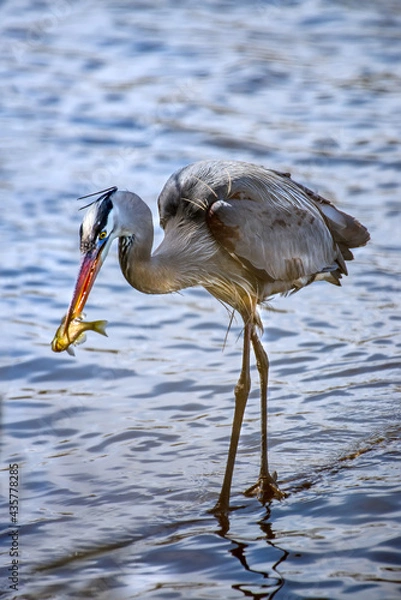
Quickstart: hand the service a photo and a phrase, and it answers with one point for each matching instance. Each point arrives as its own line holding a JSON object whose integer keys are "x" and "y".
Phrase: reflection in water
{"x": 266, "y": 584}
{"x": 273, "y": 580}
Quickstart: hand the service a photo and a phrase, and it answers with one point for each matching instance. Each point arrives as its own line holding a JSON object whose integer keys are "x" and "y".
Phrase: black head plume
{"x": 97, "y": 219}
{"x": 103, "y": 194}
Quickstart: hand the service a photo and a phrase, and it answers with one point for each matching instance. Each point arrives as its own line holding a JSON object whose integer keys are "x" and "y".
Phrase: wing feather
{"x": 273, "y": 227}
{"x": 279, "y": 230}
{"x": 284, "y": 244}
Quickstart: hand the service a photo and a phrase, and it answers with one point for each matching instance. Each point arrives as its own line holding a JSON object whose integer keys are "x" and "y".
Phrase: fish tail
{"x": 100, "y": 327}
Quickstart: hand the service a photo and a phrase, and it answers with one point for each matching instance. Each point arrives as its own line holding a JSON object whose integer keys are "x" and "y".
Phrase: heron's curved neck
{"x": 164, "y": 271}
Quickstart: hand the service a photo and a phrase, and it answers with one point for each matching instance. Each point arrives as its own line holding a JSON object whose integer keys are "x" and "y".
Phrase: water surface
{"x": 121, "y": 450}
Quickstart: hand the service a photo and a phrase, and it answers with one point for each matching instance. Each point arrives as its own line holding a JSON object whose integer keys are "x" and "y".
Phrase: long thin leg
{"x": 241, "y": 396}
{"x": 266, "y": 487}
{"x": 262, "y": 363}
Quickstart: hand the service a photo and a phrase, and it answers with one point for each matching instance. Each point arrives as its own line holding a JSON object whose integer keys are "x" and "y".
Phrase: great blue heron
{"x": 241, "y": 231}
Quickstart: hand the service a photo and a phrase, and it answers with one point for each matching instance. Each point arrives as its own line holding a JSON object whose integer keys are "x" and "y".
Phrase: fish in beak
{"x": 74, "y": 334}
{"x": 96, "y": 236}
{"x": 90, "y": 267}
{"x": 72, "y": 325}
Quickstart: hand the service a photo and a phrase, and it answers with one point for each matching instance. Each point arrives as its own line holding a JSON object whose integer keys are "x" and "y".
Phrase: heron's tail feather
{"x": 347, "y": 231}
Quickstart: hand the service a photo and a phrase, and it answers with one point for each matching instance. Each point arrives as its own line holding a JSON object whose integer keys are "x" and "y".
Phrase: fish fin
{"x": 70, "y": 350}
{"x": 80, "y": 339}
{"x": 100, "y": 327}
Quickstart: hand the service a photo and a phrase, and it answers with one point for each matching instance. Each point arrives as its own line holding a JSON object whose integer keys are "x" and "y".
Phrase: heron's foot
{"x": 221, "y": 511}
{"x": 266, "y": 489}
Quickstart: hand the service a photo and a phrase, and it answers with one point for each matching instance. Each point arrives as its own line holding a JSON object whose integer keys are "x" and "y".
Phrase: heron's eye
{"x": 102, "y": 235}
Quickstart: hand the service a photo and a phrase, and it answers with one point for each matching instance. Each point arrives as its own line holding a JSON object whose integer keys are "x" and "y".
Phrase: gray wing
{"x": 274, "y": 228}
{"x": 286, "y": 247}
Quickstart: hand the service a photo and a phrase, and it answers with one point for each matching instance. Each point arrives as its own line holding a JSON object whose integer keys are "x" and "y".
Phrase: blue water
{"x": 121, "y": 450}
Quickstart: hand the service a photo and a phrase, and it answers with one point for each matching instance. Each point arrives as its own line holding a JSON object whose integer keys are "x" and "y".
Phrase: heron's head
{"x": 112, "y": 215}
{"x": 98, "y": 230}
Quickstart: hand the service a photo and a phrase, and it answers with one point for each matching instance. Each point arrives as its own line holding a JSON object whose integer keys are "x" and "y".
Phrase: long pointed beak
{"x": 90, "y": 267}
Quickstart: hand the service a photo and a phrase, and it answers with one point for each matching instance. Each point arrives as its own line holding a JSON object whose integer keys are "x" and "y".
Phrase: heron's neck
{"x": 163, "y": 272}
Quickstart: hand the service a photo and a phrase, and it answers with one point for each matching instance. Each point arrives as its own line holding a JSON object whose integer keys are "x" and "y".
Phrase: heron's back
{"x": 282, "y": 234}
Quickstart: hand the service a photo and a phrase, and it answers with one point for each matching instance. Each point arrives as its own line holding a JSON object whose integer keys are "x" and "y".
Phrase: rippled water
{"x": 121, "y": 450}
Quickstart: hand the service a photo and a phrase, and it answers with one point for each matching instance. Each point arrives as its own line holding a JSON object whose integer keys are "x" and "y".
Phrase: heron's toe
{"x": 266, "y": 489}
